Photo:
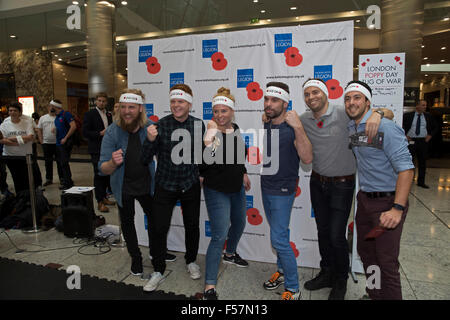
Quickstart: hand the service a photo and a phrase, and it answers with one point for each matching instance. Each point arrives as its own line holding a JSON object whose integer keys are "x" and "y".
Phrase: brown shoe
{"x": 102, "y": 207}
{"x": 109, "y": 202}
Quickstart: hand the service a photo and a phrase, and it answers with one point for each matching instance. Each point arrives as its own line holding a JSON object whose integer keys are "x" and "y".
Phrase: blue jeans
{"x": 278, "y": 213}
{"x": 226, "y": 212}
{"x": 332, "y": 202}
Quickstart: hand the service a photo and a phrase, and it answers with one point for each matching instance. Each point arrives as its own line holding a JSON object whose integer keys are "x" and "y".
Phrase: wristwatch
{"x": 380, "y": 112}
{"x": 399, "y": 207}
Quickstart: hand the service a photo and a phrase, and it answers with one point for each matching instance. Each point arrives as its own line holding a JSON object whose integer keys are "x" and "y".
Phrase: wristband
{"x": 399, "y": 207}
{"x": 20, "y": 140}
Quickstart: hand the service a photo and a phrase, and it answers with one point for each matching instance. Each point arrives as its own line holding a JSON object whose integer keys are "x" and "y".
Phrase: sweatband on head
{"x": 56, "y": 104}
{"x": 223, "y": 100}
{"x": 20, "y": 140}
{"x": 277, "y": 93}
{"x": 315, "y": 83}
{"x": 359, "y": 88}
{"x": 180, "y": 94}
{"x": 131, "y": 98}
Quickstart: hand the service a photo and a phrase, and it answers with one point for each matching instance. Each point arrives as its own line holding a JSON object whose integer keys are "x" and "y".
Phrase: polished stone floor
{"x": 424, "y": 254}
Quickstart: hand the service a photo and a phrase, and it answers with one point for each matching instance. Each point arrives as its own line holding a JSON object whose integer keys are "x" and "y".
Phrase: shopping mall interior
{"x": 57, "y": 49}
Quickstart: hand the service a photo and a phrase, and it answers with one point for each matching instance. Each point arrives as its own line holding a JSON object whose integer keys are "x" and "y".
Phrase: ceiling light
{"x": 423, "y": 46}
{"x": 426, "y": 58}
{"x": 426, "y": 75}
{"x": 75, "y": 2}
{"x": 59, "y": 59}
{"x": 358, "y": 21}
{"x": 428, "y": 64}
{"x": 76, "y": 53}
{"x": 255, "y": 1}
{"x": 443, "y": 48}
{"x": 442, "y": 60}
{"x": 56, "y": 55}
{"x": 293, "y": 8}
{"x": 269, "y": 20}
{"x": 263, "y": 11}
{"x": 13, "y": 36}
{"x": 446, "y": 19}
{"x": 67, "y": 50}
{"x": 124, "y": 3}
{"x": 85, "y": 4}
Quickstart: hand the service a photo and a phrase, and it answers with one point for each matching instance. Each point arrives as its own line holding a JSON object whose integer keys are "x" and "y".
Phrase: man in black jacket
{"x": 419, "y": 128}
{"x": 95, "y": 123}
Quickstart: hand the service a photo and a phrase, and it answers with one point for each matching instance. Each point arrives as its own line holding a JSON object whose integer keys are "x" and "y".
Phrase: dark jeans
{"x": 63, "y": 157}
{"x": 161, "y": 215}
{"x": 19, "y": 174}
{"x": 382, "y": 251}
{"x": 419, "y": 150}
{"x": 332, "y": 202}
{"x": 126, "y": 214}
{"x": 3, "y": 176}
{"x": 50, "y": 155}
{"x": 100, "y": 182}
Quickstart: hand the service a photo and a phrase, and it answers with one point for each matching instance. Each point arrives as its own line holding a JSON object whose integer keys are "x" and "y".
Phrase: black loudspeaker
{"x": 78, "y": 214}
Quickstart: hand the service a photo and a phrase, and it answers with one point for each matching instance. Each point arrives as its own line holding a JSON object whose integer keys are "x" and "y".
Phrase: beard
{"x": 130, "y": 126}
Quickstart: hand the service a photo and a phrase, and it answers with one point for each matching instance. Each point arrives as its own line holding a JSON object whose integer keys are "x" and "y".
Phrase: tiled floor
{"x": 424, "y": 255}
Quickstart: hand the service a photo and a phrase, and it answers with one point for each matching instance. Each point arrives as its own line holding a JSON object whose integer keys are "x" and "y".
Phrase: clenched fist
{"x": 292, "y": 119}
{"x": 152, "y": 133}
{"x": 117, "y": 157}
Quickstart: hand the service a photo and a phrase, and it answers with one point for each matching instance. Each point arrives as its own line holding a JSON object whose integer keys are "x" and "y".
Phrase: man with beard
{"x": 120, "y": 157}
{"x": 175, "y": 180}
{"x": 278, "y": 185}
{"x": 385, "y": 172}
{"x": 332, "y": 183}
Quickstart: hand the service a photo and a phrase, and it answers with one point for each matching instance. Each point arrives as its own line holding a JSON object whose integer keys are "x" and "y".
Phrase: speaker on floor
{"x": 78, "y": 214}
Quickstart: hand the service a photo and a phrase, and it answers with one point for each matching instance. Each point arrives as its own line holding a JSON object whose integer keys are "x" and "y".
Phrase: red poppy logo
{"x": 397, "y": 58}
{"x": 254, "y": 91}
{"x": 294, "y": 248}
{"x": 363, "y": 64}
{"x": 334, "y": 89}
{"x": 293, "y": 56}
{"x": 153, "y": 65}
{"x": 298, "y": 191}
{"x": 320, "y": 124}
{"x": 253, "y": 217}
{"x": 154, "y": 118}
{"x": 253, "y": 155}
{"x": 218, "y": 61}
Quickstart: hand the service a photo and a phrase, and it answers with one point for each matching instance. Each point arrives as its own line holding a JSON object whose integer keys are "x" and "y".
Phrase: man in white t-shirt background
{"x": 47, "y": 138}
{"x": 17, "y": 137}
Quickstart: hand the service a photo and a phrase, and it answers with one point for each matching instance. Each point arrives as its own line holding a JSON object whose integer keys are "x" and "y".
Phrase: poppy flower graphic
{"x": 397, "y": 58}
{"x": 253, "y": 217}
{"x": 253, "y": 155}
{"x": 294, "y": 248}
{"x": 298, "y": 191}
{"x": 320, "y": 124}
{"x": 254, "y": 91}
{"x": 334, "y": 89}
{"x": 153, "y": 65}
{"x": 293, "y": 56}
{"x": 363, "y": 64}
{"x": 154, "y": 118}
{"x": 218, "y": 61}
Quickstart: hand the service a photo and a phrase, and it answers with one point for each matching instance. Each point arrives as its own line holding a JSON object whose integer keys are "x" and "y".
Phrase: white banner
{"x": 385, "y": 74}
{"x": 245, "y": 61}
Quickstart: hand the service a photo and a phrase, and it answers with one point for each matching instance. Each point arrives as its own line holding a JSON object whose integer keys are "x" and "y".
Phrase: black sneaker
{"x": 339, "y": 290}
{"x": 274, "y": 282}
{"x": 235, "y": 259}
{"x": 211, "y": 294}
{"x": 136, "y": 266}
{"x": 169, "y": 257}
{"x": 323, "y": 280}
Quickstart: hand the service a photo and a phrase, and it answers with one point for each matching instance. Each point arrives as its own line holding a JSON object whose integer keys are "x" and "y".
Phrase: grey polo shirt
{"x": 331, "y": 154}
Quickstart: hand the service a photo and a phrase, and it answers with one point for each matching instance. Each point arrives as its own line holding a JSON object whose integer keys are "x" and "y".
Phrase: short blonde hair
{"x": 225, "y": 92}
{"x": 143, "y": 117}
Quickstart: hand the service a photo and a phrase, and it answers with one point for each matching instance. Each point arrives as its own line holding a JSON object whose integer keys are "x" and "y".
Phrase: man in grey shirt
{"x": 332, "y": 183}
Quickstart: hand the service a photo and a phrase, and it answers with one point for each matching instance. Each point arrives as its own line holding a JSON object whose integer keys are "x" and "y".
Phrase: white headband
{"x": 180, "y": 94}
{"x": 359, "y": 88}
{"x": 278, "y": 93}
{"x": 56, "y": 104}
{"x": 131, "y": 98}
{"x": 223, "y": 100}
{"x": 316, "y": 83}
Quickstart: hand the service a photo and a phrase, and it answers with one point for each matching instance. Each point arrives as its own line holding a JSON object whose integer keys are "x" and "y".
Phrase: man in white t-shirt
{"x": 47, "y": 138}
{"x": 17, "y": 137}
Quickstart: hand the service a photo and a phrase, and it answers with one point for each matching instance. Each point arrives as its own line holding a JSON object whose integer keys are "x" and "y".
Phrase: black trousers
{"x": 419, "y": 150}
{"x": 63, "y": 156}
{"x": 50, "y": 155}
{"x": 100, "y": 182}
{"x": 163, "y": 203}
{"x": 19, "y": 174}
{"x": 126, "y": 213}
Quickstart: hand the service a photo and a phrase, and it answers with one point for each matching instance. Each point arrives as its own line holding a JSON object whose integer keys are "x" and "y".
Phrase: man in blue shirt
{"x": 65, "y": 128}
{"x": 385, "y": 171}
{"x": 286, "y": 141}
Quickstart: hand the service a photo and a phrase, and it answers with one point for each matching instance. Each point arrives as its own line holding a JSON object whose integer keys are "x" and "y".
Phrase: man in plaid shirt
{"x": 177, "y": 178}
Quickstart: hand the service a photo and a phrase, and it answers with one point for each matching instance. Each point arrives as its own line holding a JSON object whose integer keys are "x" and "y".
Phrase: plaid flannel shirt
{"x": 171, "y": 176}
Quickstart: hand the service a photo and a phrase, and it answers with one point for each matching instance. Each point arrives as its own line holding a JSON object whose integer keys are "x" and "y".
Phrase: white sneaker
{"x": 154, "y": 281}
{"x": 194, "y": 270}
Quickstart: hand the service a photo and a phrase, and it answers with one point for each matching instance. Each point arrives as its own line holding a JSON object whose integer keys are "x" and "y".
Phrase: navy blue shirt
{"x": 62, "y": 124}
{"x": 280, "y": 177}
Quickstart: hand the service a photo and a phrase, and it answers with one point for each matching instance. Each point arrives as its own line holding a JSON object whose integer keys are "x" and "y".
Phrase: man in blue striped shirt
{"x": 385, "y": 173}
